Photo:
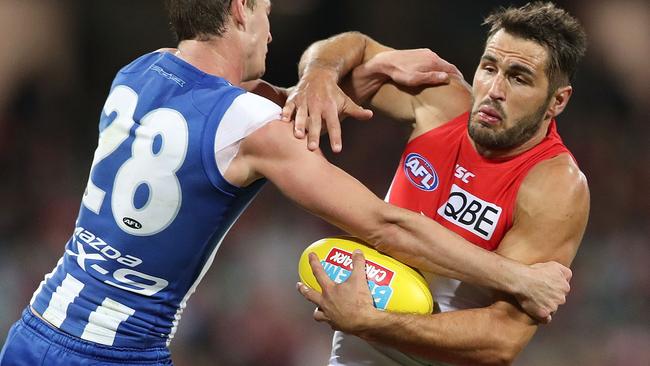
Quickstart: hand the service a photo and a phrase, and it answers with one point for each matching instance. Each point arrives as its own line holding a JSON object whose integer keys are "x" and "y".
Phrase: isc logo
{"x": 420, "y": 172}
{"x": 470, "y": 212}
{"x": 463, "y": 174}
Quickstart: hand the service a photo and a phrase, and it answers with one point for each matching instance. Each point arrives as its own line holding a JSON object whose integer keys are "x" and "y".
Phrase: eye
{"x": 519, "y": 80}
{"x": 489, "y": 69}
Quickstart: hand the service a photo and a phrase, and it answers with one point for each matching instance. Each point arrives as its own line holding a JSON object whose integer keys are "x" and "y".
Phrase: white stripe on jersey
{"x": 47, "y": 277}
{"x": 103, "y": 322}
{"x": 206, "y": 266}
{"x": 61, "y": 299}
{"x": 246, "y": 114}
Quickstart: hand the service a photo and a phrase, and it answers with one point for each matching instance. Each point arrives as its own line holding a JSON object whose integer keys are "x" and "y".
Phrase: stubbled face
{"x": 510, "y": 93}
{"x": 259, "y": 32}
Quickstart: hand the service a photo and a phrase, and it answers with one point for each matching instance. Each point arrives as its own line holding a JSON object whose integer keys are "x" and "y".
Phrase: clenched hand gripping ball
{"x": 393, "y": 285}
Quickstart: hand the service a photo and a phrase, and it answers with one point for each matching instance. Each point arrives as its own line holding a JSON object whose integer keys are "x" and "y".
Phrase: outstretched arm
{"x": 336, "y": 57}
{"x": 325, "y": 190}
{"x": 549, "y": 225}
{"x": 318, "y": 97}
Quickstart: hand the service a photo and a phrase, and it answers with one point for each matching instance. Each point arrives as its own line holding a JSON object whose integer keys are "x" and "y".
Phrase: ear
{"x": 560, "y": 100}
{"x": 238, "y": 11}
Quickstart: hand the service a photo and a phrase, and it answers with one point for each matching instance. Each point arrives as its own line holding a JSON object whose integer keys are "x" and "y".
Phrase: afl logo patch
{"x": 420, "y": 172}
{"x": 132, "y": 223}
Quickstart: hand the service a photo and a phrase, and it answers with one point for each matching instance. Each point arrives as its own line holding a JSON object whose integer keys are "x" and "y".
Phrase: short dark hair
{"x": 550, "y": 26}
{"x": 199, "y": 19}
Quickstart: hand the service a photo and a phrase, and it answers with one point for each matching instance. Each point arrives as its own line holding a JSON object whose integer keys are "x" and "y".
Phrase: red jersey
{"x": 442, "y": 176}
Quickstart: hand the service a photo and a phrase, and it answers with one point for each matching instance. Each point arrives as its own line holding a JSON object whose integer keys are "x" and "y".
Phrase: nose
{"x": 497, "y": 88}
{"x": 269, "y": 39}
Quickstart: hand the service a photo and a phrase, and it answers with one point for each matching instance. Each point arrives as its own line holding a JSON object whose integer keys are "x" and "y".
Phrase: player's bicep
{"x": 426, "y": 107}
{"x": 395, "y": 101}
{"x": 551, "y": 214}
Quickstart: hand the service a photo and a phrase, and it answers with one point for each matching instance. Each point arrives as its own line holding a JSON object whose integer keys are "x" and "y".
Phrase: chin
{"x": 476, "y": 123}
{"x": 260, "y": 73}
{"x": 254, "y": 74}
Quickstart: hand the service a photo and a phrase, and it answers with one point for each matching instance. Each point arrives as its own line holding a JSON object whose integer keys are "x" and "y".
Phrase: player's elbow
{"x": 395, "y": 232}
{"x": 497, "y": 353}
{"x": 501, "y": 356}
{"x": 384, "y": 237}
{"x": 494, "y": 355}
{"x": 506, "y": 347}
{"x": 386, "y": 234}
{"x": 497, "y": 361}
{"x": 507, "y": 337}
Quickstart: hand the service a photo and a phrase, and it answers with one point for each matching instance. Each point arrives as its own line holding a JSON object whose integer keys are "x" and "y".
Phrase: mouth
{"x": 489, "y": 115}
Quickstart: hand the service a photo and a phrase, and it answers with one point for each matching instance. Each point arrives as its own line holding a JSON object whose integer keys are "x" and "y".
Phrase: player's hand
{"x": 544, "y": 289}
{"x": 415, "y": 67}
{"x": 344, "y": 306}
{"x": 317, "y": 99}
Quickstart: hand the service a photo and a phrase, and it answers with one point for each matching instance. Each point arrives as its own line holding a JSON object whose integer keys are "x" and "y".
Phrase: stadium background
{"x": 56, "y": 65}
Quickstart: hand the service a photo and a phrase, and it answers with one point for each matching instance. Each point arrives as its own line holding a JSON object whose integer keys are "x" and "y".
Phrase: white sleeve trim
{"x": 246, "y": 114}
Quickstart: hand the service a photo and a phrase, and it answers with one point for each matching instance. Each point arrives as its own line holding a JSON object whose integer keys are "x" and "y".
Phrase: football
{"x": 393, "y": 285}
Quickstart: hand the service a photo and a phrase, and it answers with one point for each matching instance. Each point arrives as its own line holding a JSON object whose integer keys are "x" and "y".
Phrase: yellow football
{"x": 393, "y": 285}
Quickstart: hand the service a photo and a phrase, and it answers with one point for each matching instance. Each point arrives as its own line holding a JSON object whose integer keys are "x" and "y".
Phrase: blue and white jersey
{"x": 156, "y": 206}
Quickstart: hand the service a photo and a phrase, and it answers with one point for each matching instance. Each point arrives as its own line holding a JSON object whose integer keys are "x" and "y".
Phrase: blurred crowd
{"x": 56, "y": 65}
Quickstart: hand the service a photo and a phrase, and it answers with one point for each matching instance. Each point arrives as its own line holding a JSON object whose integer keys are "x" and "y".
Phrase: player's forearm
{"x": 409, "y": 237}
{"x": 486, "y": 336}
{"x": 338, "y": 54}
{"x": 423, "y": 243}
{"x": 365, "y": 80}
{"x": 343, "y": 58}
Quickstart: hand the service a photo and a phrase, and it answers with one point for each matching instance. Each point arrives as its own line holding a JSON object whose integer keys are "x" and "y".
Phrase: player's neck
{"x": 218, "y": 56}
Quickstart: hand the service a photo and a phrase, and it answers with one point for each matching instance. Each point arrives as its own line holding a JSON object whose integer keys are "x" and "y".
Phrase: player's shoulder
{"x": 142, "y": 62}
{"x": 560, "y": 169}
{"x": 273, "y": 139}
{"x": 247, "y": 113}
{"x": 250, "y": 106}
{"x": 556, "y": 181}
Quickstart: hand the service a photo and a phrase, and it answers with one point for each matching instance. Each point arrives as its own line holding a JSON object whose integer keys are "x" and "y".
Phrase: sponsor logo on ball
{"x": 338, "y": 266}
